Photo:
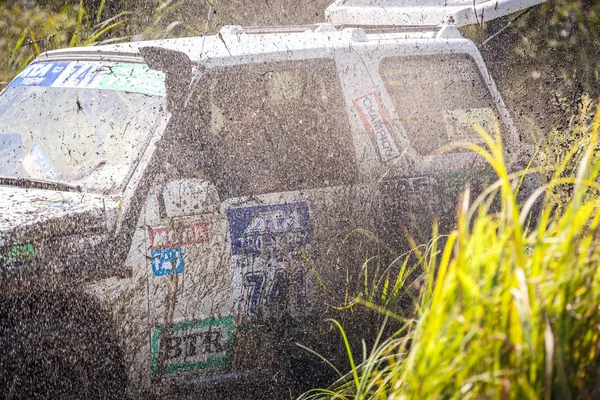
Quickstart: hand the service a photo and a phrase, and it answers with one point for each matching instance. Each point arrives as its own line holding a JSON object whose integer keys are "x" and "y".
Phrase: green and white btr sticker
{"x": 191, "y": 345}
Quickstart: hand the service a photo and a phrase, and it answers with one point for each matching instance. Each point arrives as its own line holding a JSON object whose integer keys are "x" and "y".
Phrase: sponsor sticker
{"x": 13, "y": 258}
{"x": 191, "y": 345}
{"x": 263, "y": 240}
{"x": 166, "y": 243}
{"x": 130, "y": 77}
{"x": 167, "y": 261}
{"x": 458, "y": 123}
{"x": 378, "y": 124}
{"x": 406, "y": 187}
{"x": 278, "y": 227}
{"x": 39, "y": 74}
{"x": 177, "y": 236}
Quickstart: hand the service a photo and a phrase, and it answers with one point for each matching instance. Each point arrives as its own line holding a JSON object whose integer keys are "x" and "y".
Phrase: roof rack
{"x": 421, "y": 12}
{"x": 238, "y": 29}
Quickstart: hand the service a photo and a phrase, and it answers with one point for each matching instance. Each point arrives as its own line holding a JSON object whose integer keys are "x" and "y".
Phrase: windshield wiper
{"x": 38, "y": 184}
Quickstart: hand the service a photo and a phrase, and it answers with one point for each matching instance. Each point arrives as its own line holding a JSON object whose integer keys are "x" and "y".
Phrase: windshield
{"x": 81, "y": 123}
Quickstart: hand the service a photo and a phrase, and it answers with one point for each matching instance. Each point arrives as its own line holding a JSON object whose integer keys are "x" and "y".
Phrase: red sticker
{"x": 378, "y": 124}
{"x": 177, "y": 236}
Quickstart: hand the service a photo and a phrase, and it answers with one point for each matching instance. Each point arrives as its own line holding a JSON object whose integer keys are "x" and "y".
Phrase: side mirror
{"x": 177, "y": 67}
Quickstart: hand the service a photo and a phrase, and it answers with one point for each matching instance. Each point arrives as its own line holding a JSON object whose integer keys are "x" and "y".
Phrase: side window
{"x": 275, "y": 127}
{"x": 437, "y": 97}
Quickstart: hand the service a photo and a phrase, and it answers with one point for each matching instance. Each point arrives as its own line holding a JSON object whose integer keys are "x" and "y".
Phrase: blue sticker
{"x": 39, "y": 74}
{"x": 278, "y": 227}
{"x": 263, "y": 241}
{"x": 130, "y": 77}
{"x": 167, "y": 261}
{"x": 37, "y": 163}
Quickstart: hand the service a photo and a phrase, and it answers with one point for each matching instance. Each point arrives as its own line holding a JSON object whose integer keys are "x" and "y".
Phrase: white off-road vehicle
{"x": 178, "y": 213}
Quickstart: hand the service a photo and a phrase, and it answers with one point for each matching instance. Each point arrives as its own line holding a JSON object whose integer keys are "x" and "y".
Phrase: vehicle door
{"x": 429, "y": 98}
{"x": 286, "y": 170}
{"x": 272, "y": 140}
{"x": 188, "y": 290}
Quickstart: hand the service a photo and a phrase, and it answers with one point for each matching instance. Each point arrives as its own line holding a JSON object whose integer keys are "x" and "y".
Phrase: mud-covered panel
{"x": 125, "y": 297}
{"x": 437, "y": 98}
{"x": 411, "y": 205}
{"x": 32, "y": 214}
{"x": 63, "y": 233}
{"x": 187, "y": 278}
{"x": 407, "y": 205}
{"x": 188, "y": 281}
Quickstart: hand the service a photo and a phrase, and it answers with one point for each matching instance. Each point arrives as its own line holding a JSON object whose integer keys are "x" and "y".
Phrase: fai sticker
{"x": 264, "y": 240}
{"x": 131, "y": 77}
{"x": 378, "y": 124}
{"x": 192, "y": 345}
{"x": 257, "y": 230}
{"x": 167, "y": 261}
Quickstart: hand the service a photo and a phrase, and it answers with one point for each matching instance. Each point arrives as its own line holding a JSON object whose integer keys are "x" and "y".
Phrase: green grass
{"x": 505, "y": 311}
{"x": 26, "y": 32}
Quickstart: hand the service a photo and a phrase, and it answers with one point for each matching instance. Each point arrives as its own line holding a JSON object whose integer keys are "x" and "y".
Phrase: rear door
{"x": 274, "y": 141}
{"x": 423, "y": 102}
{"x": 285, "y": 166}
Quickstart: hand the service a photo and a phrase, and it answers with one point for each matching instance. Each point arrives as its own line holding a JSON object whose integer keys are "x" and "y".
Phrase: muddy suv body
{"x": 167, "y": 205}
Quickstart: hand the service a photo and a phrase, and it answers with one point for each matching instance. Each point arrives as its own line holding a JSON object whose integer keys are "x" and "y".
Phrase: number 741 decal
{"x": 265, "y": 242}
{"x": 274, "y": 289}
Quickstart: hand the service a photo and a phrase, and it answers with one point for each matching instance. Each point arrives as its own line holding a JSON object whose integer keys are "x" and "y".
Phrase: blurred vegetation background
{"x": 547, "y": 69}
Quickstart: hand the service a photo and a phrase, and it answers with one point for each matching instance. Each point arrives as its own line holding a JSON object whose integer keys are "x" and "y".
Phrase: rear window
{"x": 276, "y": 127}
{"x": 437, "y": 97}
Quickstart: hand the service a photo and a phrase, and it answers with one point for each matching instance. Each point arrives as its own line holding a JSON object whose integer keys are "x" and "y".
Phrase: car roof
{"x": 235, "y": 42}
{"x": 413, "y": 19}
{"x": 421, "y": 12}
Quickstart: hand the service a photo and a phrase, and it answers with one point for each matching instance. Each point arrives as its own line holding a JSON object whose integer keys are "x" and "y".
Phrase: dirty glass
{"x": 277, "y": 127}
{"x": 437, "y": 97}
{"x": 79, "y": 123}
